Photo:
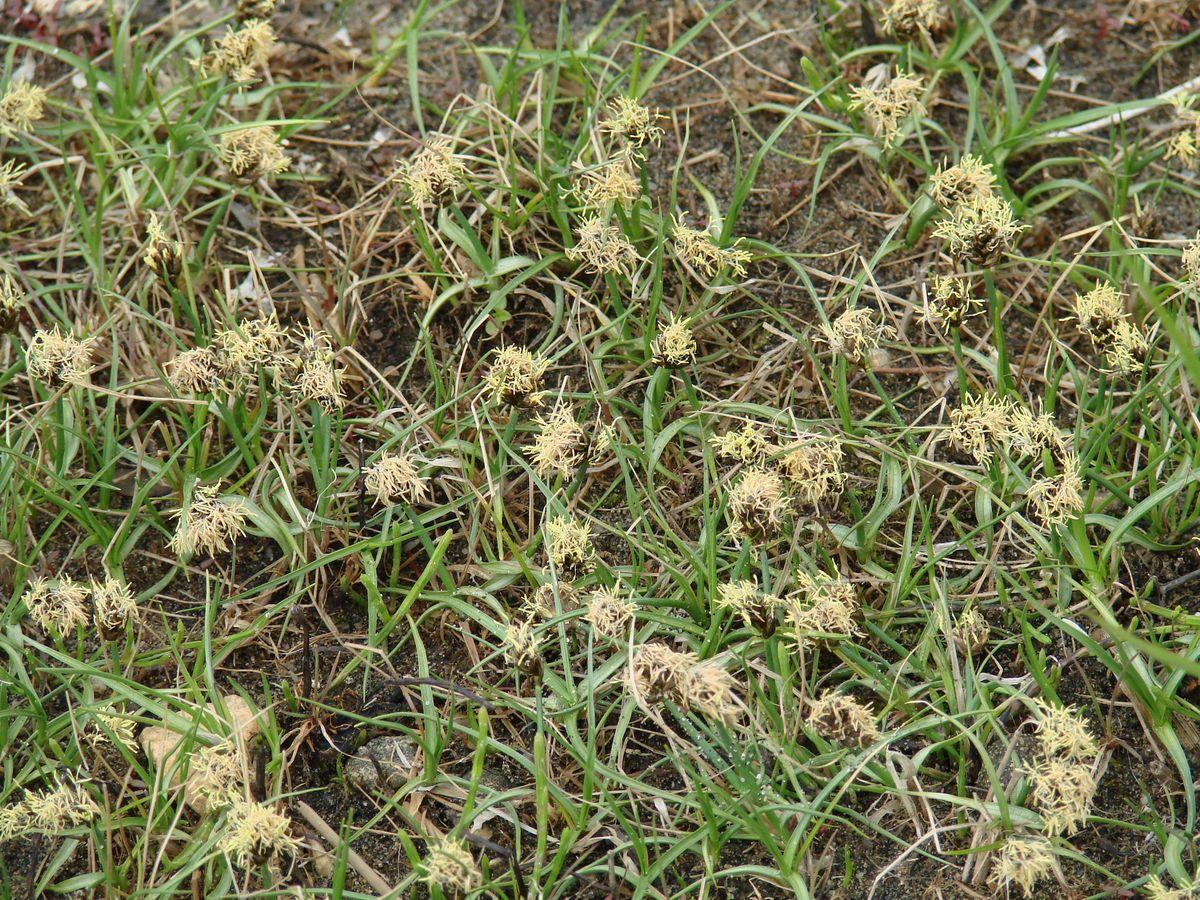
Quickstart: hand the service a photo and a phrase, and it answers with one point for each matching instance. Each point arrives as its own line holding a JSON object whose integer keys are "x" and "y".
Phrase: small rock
{"x": 391, "y": 756}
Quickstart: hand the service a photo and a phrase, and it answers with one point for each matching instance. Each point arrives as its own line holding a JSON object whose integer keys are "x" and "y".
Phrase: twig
{"x": 1125, "y": 115}
{"x": 361, "y": 866}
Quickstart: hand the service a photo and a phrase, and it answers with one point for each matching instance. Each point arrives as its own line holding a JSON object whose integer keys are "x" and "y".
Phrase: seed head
{"x": 855, "y": 334}
{"x": 242, "y": 52}
{"x": 254, "y": 833}
{"x": 1062, "y": 791}
{"x": 949, "y": 302}
{"x": 21, "y": 105}
{"x": 56, "y": 356}
{"x": 1099, "y": 310}
{"x": 1126, "y": 348}
{"x": 12, "y": 297}
{"x": 979, "y": 228}
{"x": 968, "y": 179}
{"x": 209, "y": 523}
{"x": 516, "y": 377}
{"x": 611, "y": 183}
{"x": 979, "y": 426}
{"x": 971, "y": 632}
{"x": 756, "y": 609}
{"x": 757, "y": 504}
{"x": 539, "y": 604}
{"x": 1063, "y": 732}
{"x": 1157, "y": 890}
{"x": 602, "y": 249}
{"x": 57, "y": 606}
{"x": 1030, "y": 435}
{"x": 675, "y": 345}
{"x": 1183, "y": 146}
{"x": 561, "y": 444}
{"x": 241, "y": 352}
{"x": 812, "y": 464}
{"x": 841, "y": 718}
{"x": 659, "y": 673}
{"x": 250, "y": 153}
{"x": 53, "y": 811}
{"x": 11, "y": 174}
{"x": 709, "y": 690}
{"x": 255, "y": 9}
{"x": 632, "y": 122}
{"x": 609, "y": 611}
{"x": 395, "y": 478}
{"x": 749, "y": 444}
{"x": 215, "y": 774}
{"x": 163, "y": 257}
{"x": 451, "y": 868}
{"x": 906, "y": 19}
{"x": 1191, "y": 260}
{"x": 522, "y": 648}
{"x": 435, "y": 173}
{"x": 1059, "y": 498}
{"x": 569, "y": 545}
{"x": 105, "y": 728}
{"x": 700, "y": 250}
{"x": 319, "y": 377}
{"x": 113, "y": 605}
{"x": 195, "y": 371}
{"x": 887, "y": 107}
{"x": 826, "y": 606}
{"x": 1022, "y": 861}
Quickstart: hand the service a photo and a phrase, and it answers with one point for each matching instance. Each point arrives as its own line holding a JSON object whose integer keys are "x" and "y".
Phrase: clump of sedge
{"x": 54, "y": 811}
{"x": 561, "y": 444}
{"x": 113, "y": 607}
{"x": 949, "y": 301}
{"x": 757, "y": 609}
{"x": 610, "y": 183}
{"x": 812, "y": 465}
{"x": 826, "y": 606}
{"x": 659, "y": 673}
{"x": 1062, "y": 774}
{"x": 522, "y": 648}
{"x": 11, "y": 175}
{"x": 318, "y": 377}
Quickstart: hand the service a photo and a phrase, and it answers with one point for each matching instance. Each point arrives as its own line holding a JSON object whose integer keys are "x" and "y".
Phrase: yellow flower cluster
{"x": 657, "y": 674}
{"x": 888, "y": 106}
{"x": 1100, "y": 314}
{"x": 1062, "y": 774}
{"x": 841, "y": 718}
{"x": 906, "y": 19}
{"x": 979, "y": 223}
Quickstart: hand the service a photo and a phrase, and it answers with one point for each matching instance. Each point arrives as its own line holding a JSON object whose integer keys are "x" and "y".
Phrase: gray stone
{"x": 383, "y": 763}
